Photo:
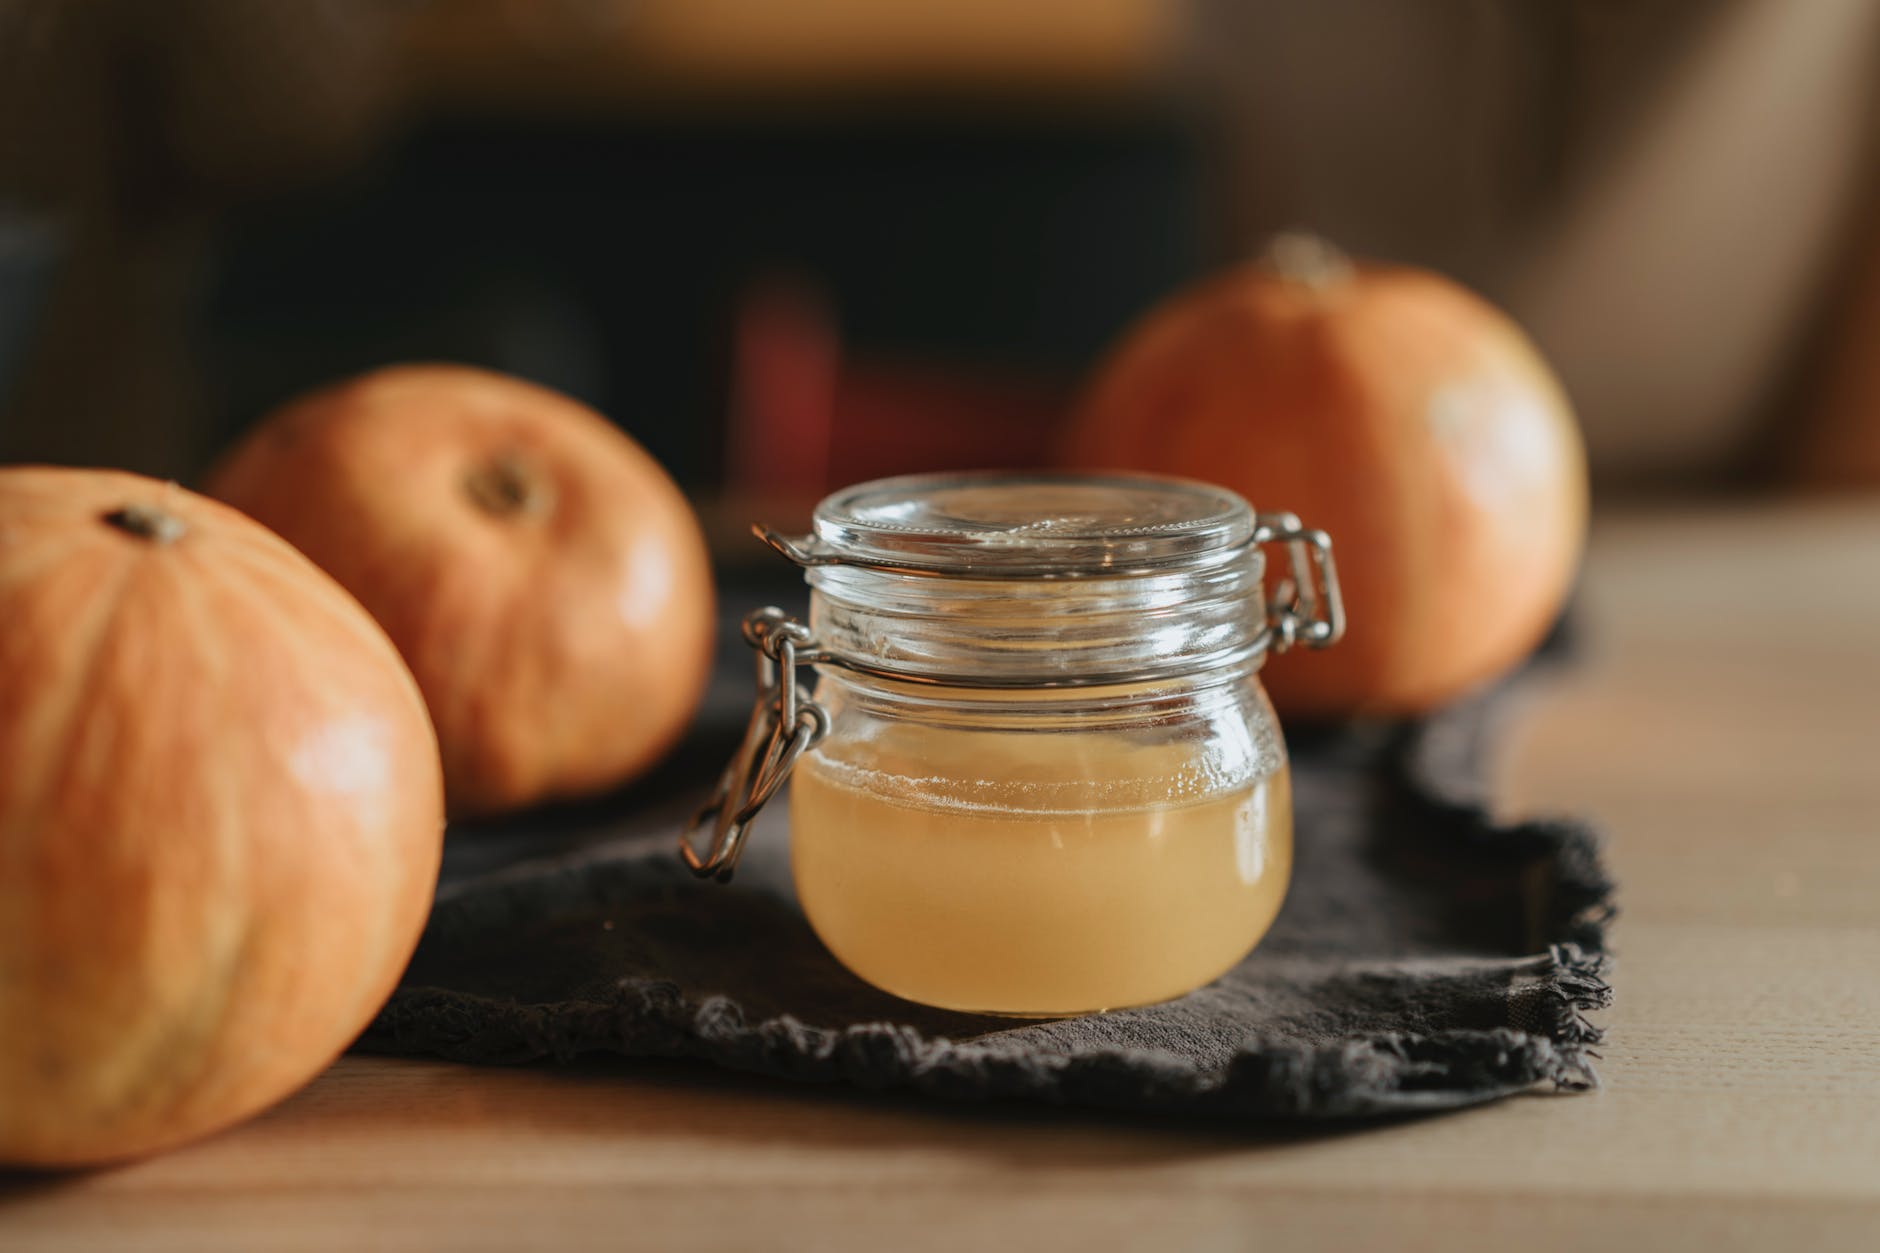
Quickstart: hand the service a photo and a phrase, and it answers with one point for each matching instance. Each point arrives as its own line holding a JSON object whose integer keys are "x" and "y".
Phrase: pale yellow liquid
{"x": 1039, "y": 874}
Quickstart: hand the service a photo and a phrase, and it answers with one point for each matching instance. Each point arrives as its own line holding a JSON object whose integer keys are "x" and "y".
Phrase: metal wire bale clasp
{"x": 784, "y": 724}
{"x": 1307, "y": 607}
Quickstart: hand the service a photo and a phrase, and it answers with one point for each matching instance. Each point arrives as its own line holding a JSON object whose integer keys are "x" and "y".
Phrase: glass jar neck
{"x": 1041, "y": 633}
{"x": 1150, "y": 702}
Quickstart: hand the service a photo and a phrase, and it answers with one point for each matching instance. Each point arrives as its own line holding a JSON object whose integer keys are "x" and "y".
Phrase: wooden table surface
{"x": 1725, "y": 729}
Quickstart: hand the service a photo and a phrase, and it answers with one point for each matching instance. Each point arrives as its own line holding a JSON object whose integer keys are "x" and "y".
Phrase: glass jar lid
{"x": 1025, "y": 525}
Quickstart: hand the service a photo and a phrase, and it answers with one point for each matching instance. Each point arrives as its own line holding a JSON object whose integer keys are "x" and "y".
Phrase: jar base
{"x": 1030, "y": 1015}
{"x": 1033, "y": 1015}
{"x": 1020, "y": 1015}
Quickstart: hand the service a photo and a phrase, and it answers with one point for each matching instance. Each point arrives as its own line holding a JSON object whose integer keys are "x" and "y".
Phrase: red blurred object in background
{"x": 805, "y": 419}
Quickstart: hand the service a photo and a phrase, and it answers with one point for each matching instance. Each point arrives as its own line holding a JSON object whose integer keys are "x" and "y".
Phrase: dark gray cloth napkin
{"x": 1427, "y": 957}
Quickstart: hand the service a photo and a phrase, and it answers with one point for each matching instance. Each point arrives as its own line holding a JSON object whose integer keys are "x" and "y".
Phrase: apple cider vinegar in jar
{"x": 1038, "y": 775}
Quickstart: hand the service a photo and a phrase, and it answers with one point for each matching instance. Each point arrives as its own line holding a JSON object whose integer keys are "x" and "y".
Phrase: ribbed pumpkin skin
{"x": 562, "y": 645}
{"x": 221, "y": 817}
{"x": 1397, "y": 411}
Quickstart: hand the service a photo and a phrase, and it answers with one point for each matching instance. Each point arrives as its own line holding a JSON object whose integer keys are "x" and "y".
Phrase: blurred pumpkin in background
{"x": 1390, "y": 407}
{"x": 542, "y": 575}
{"x": 221, "y": 817}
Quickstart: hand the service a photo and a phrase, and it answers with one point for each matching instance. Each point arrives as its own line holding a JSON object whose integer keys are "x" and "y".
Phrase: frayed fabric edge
{"x": 1268, "y": 1079}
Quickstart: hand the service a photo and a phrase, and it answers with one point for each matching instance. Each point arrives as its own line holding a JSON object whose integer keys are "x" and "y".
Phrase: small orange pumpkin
{"x": 545, "y": 580}
{"x": 1397, "y": 411}
{"x": 221, "y": 814}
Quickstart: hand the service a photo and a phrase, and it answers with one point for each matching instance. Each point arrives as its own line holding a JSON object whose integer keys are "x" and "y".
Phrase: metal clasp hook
{"x": 1307, "y": 607}
{"x": 784, "y": 724}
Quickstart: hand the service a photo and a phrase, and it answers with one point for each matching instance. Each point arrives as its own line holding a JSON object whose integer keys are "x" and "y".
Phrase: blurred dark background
{"x": 789, "y": 245}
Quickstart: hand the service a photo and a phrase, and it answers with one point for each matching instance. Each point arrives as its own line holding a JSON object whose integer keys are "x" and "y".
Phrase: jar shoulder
{"x": 1162, "y": 752}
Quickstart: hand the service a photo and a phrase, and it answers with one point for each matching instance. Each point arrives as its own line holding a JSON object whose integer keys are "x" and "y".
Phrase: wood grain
{"x": 1724, "y": 728}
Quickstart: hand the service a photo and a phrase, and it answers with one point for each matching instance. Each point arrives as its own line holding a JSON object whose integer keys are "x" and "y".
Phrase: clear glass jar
{"x": 1038, "y": 775}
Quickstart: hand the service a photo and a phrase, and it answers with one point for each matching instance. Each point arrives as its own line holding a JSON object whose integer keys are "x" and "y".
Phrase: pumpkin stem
{"x": 509, "y": 484}
{"x": 1302, "y": 257}
{"x": 147, "y": 522}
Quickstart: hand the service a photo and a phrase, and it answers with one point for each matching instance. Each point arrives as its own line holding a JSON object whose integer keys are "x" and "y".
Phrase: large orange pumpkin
{"x": 1397, "y": 411}
{"x": 544, "y": 578}
{"x": 221, "y": 814}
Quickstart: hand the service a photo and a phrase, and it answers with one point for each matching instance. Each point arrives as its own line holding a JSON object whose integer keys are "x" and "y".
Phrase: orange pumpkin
{"x": 221, "y": 815}
{"x": 1397, "y": 411}
{"x": 543, "y": 577}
